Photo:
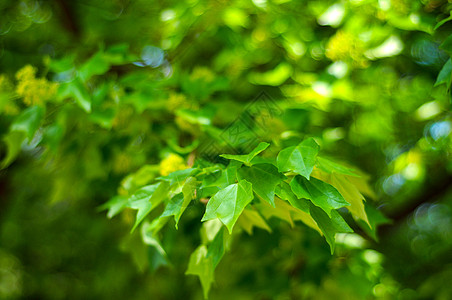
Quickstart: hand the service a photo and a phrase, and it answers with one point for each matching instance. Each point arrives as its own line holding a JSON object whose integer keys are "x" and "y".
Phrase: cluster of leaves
{"x": 298, "y": 186}
{"x": 358, "y": 76}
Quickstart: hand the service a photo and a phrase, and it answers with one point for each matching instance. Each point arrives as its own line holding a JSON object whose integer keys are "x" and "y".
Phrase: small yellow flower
{"x": 177, "y": 101}
{"x": 34, "y": 90}
{"x": 171, "y": 163}
{"x": 202, "y": 73}
{"x": 345, "y": 46}
{"x": 26, "y": 73}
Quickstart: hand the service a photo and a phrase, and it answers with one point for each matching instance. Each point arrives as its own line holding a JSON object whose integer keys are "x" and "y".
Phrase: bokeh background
{"x": 369, "y": 79}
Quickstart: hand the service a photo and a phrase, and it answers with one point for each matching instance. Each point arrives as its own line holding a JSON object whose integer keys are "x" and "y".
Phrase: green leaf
{"x": 29, "y": 121}
{"x": 447, "y": 44}
{"x": 350, "y": 193}
{"x": 329, "y": 225}
{"x": 228, "y": 203}
{"x": 177, "y": 205}
{"x": 203, "y": 260}
{"x": 444, "y": 75}
{"x": 222, "y": 178}
{"x": 202, "y": 266}
{"x": 246, "y": 159}
{"x": 52, "y": 137}
{"x": 285, "y": 192}
{"x": 149, "y": 236}
{"x": 146, "y": 199}
{"x": 320, "y": 193}
{"x": 149, "y": 233}
{"x": 96, "y": 65}
{"x": 264, "y": 178}
{"x": 178, "y": 177}
{"x": 250, "y": 219}
{"x": 329, "y": 166}
{"x": 440, "y": 23}
{"x": 282, "y": 210}
{"x": 299, "y": 159}
{"x": 362, "y": 184}
{"x": 216, "y": 248}
{"x": 76, "y": 90}
{"x": 115, "y": 205}
{"x": 376, "y": 218}
{"x": 13, "y": 142}
{"x": 209, "y": 230}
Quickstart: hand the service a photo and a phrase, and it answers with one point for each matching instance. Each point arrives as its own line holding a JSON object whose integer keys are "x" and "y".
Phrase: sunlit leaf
{"x": 217, "y": 247}
{"x": 250, "y": 219}
{"x": 282, "y": 210}
{"x": 246, "y": 159}
{"x": 202, "y": 266}
{"x": 177, "y": 204}
{"x": 264, "y": 178}
{"x": 444, "y": 75}
{"x": 228, "y": 204}
{"x": 330, "y": 225}
{"x": 349, "y": 191}
{"x": 299, "y": 159}
{"x": 320, "y": 193}
{"x": 330, "y": 166}
{"x": 146, "y": 199}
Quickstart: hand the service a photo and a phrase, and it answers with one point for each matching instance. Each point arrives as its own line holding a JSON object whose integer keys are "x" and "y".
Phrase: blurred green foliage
{"x": 99, "y": 98}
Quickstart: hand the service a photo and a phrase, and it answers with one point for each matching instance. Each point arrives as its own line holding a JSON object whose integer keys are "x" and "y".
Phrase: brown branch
{"x": 67, "y": 17}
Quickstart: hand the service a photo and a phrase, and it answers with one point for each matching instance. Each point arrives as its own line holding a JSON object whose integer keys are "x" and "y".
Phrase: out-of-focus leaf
{"x": 210, "y": 229}
{"x": 228, "y": 204}
{"x": 250, "y": 219}
{"x": 362, "y": 184}
{"x": 75, "y": 89}
{"x": 115, "y": 205}
{"x": 376, "y": 218}
{"x": 202, "y": 266}
{"x": 29, "y": 121}
{"x": 282, "y": 210}
{"x": 52, "y": 136}
{"x": 149, "y": 236}
{"x": 320, "y": 193}
{"x": 264, "y": 178}
{"x": 444, "y": 75}
{"x": 299, "y": 159}
{"x": 274, "y": 77}
{"x": 447, "y": 45}
{"x": 96, "y": 65}
{"x": 217, "y": 247}
{"x": 13, "y": 142}
{"x": 440, "y": 23}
